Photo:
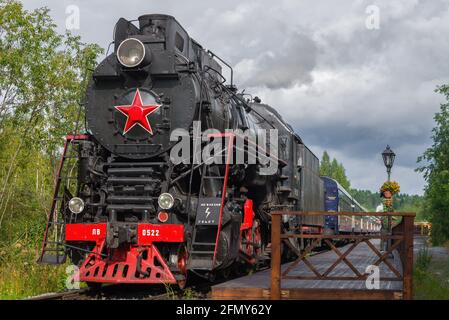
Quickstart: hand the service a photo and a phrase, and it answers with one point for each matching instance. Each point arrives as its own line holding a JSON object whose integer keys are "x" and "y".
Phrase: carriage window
{"x": 179, "y": 42}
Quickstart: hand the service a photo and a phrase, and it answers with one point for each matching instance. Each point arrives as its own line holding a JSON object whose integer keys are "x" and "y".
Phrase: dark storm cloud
{"x": 344, "y": 88}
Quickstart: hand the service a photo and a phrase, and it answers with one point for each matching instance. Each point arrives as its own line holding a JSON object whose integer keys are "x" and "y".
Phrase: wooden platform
{"x": 257, "y": 285}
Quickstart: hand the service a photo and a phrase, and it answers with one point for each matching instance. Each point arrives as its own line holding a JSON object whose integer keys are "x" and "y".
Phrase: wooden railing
{"x": 400, "y": 238}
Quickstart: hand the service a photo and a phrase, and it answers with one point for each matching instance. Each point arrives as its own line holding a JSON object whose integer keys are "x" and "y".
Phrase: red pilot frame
{"x": 132, "y": 263}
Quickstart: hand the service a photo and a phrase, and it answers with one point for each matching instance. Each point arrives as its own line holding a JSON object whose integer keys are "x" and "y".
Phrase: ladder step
{"x": 54, "y": 243}
{"x": 203, "y": 243}
{"x": 53, "y": 259}
{"x": 53, "y": 250}
{"x": 201, "y": 264}
{"x": 284, "y": 189}
{"x": 202, "y": 252}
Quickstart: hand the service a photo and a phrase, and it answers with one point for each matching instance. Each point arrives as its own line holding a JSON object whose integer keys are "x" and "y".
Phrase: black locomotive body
{"x": 138, "y": 215}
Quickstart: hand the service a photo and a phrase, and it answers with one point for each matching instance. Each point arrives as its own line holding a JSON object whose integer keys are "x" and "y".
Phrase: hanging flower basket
{"x": 389, "y": 189}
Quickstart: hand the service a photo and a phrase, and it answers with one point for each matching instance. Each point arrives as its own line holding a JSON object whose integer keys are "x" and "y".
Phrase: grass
{"x": 170, "y": 291}
{"x": 427, "y": 286}
{"x": 431, "y": 277}
{"x": 189, "y": 294}
{"x": 423, "y": 259}
{"x": 186, "y": 294}
{"x": 22, "y": 277}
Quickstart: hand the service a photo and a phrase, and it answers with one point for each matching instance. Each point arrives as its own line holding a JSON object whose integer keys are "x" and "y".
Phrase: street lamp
{"x": 388, "y": 155}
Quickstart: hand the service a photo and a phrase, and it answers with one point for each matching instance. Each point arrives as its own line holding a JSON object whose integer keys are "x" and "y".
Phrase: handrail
{"x": 356, "y": 214}
{"x": 401, "y": 237}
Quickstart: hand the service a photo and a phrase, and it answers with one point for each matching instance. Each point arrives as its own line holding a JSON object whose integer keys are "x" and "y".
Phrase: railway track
{"x": 87, "y": 294}
{"x": 114, "y": 292}
{"x": 130, "y": 292}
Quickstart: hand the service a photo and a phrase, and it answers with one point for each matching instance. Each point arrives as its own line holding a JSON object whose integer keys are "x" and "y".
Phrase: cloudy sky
{"x": 348, "y": 80}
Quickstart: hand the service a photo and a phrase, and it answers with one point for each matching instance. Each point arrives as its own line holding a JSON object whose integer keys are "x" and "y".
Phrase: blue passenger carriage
{"x": 337, "y": 199}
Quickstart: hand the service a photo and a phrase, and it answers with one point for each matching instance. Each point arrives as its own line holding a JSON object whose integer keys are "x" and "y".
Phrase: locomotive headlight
{"x": 166, "y": 201}
{"x": 76, "y": 205}
{"x": 131, "y": 52}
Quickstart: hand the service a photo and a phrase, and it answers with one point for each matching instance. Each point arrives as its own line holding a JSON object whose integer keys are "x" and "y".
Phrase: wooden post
{"x": 275, "y": 291}
{"x": 408, "y": 267}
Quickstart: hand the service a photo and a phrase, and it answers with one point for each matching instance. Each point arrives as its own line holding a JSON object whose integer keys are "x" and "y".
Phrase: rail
{"x": 401, "y": 239}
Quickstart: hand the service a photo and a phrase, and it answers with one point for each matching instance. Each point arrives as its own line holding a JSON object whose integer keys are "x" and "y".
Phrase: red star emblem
{"x": 137, "y": 114}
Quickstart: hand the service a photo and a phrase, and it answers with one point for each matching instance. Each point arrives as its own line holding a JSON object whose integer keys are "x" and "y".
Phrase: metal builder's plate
{"x": 208, "y": 211}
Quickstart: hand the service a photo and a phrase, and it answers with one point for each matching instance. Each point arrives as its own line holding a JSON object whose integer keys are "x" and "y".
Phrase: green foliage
{"x": 370, "y": 200}
{"x": 410, "y": 203}
{"x": 427, "y": 286}
{"x": 335, "y": 170}
{"x": 435, "y": 167}
{"x": 188, "y": 294}
{"x": 401, "y": 202}
{"x": 42, "y": 81}
{"x": 423, "y": 259}
{"x": 325, "y": 165}
{"x": 170, "y": 291}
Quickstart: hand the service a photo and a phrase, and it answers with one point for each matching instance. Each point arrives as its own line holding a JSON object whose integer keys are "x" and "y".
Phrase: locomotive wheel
{"x": 252, "y": 244}
{"x": 246, "y": 245}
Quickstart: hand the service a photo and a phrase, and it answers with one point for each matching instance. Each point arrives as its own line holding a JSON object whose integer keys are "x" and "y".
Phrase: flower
{"x": 391, "y": 186}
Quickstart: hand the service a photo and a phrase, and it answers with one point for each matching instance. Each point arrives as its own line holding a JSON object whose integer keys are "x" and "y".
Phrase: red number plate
{"x": 85, "y": 232}
{"x": 149, "y": 233}
{"x": 146, "y": 233}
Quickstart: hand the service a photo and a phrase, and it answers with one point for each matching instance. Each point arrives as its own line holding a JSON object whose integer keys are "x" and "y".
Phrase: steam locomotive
{"x": 128, "y": 208}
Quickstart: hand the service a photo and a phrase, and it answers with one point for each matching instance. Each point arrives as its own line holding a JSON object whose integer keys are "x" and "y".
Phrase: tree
{"x": 334, "y": 170}
{"x": 325, "y": 165}
{"x": 435, "y": 168}
{"x": 401, "y": 203}
{"x": 42, "y": 82}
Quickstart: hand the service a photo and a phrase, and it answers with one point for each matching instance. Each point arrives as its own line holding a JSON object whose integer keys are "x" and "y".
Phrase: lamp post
{"x": 388, "y": 156}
